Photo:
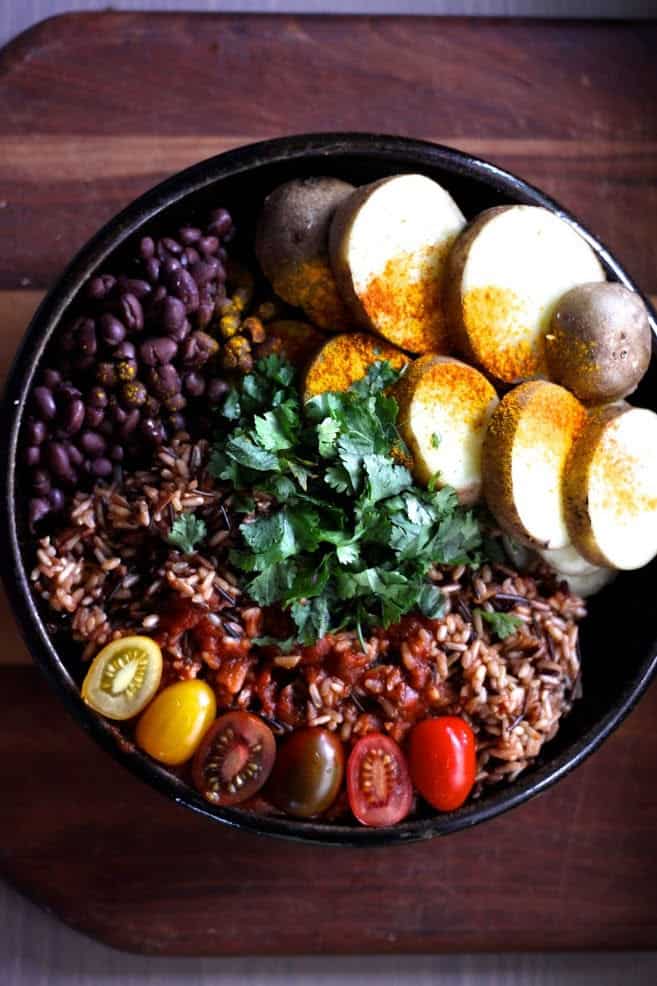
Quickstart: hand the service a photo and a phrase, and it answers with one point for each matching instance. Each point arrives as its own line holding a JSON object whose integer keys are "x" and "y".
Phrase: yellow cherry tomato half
{"x": 123, "y": 677}
{"x": 175, "y": 722}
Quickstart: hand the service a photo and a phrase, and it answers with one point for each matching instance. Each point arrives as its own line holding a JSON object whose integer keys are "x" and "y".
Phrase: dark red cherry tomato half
{"x": 308, "y": 772}
{"x": 234, "y": 759}
{"x": 443, "y": 761}
{"x": 378, "y": 782}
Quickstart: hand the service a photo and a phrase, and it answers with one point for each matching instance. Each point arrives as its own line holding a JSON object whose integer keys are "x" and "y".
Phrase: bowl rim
{"x": 408, "y": 153}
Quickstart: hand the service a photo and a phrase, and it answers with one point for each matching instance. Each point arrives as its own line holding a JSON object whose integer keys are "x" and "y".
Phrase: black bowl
{"x": 619, "y": 639}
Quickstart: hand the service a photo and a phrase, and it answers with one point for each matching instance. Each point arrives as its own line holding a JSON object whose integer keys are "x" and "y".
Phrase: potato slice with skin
{"x": 444, "y": 410}
{"x": 295, "y": 340}
{"x": 345, "y": 358}
{"x": 506, "y": 273}
{"x": 291, "y": 245}
{"x": 388, "y": 244}
{"x": 611, "y": 487}
{"x": 524, "y": 457}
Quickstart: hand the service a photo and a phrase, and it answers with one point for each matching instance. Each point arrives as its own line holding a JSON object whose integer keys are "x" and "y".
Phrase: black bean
{"x": 189, "y": 257}
{"x": 205, "y": 270}
{"x": 137, "y": 286}
{"x": 170, "y": 265}
{"x": 158, "y": 350}
{"x": 208, "y": 244}
{"x": 32, "y": 455}
{"x": 83, "y": 361}
{"x": 194, "y": 384}
{"x": 205, "y": 313}
{"x": 101, "y": 467}
{"x": 131, "y": 312}
{"x": 67, "y": 340}
{"x": 56, "y": 499}
{"x": 68, "y": 392}
{"x": 164, "y": 380}
{"x": 153, "y": 430}
{"x": 73, "y": 416}
{"x": 172, "y": 315}
{"x": 177, "y": 422}
{"x": 99, "y": 287}
{"x": 92, "y": 443}
{"x": 106, "y": 428}
{"x": 216, "y": 390}
{"x": 45, "y": 402}
{"x": 175, "y": 403}
{"x": 74, "y": 454}
{"x": 94, "y": 416}
{"x": 37, "y": 510}
{"x": 85, "y": 337}
{"x": 36, "y": 431}
{"x": 52, "y": 378}
{"x": 106, "y": 375}
{"x": 152, "y": 269}
{"x": 159, "y": 294}
{"x": 189, "y": 234}
{"x": 183, "y": 286}
{"x": 172, "y": 245}
{"x": 97, "y": 397}
{"x": 41, "y": 482}
{"x": 146, "y": 247}
{"x": 133, "y": 394}
{"x": 130, "y": 423}
{"x": 112, "y": 330}
{"x": 59, "y": 462}
{"x": 119, "y": 415}
{"x": 116, "y": 453}
{"x": 220, "y": 223}
{"x": 151, "y": 407}
{"x": 198, "y": 348}
{"x": 125, "y": 350}
{"x": 222, "y": 253}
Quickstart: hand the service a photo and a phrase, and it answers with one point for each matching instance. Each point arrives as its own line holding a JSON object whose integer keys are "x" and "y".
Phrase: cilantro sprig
{"x": 503, "y": 625}
{"x": 186, "y": 532}
{"x": 349, "y": 539}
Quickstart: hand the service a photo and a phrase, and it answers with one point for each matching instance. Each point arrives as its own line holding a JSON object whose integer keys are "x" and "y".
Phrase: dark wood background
{"x": 95, "y": 109}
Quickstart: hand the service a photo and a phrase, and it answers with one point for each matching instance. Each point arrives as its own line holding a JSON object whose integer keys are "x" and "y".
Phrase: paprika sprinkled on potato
{"x": 346, "y": 358}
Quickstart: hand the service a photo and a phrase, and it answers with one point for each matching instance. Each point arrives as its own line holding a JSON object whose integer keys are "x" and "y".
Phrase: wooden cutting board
{"x": 95, "y": 109}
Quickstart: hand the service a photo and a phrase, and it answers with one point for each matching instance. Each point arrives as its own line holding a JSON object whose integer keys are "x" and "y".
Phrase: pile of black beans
{"x": 136, "y": 363}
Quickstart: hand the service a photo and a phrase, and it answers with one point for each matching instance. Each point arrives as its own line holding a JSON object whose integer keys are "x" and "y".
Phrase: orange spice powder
{"x": 407, "y": 307}
{"x": 345, "y": 359}
{"x": 496, "y": 325}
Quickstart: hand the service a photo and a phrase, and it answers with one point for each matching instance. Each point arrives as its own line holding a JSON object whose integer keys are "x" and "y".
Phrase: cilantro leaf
{"x": 435, "y": 440}
{"x": 186, "y": 532}
{"x": 503, "y": 625}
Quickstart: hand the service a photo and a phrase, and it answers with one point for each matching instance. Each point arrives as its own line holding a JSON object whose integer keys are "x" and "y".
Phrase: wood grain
{"x": 573, "y": 869}
{"x": 90, "y": 119}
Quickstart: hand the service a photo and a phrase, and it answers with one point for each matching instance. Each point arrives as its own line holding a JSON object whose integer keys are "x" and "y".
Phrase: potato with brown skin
{"x": 599, "y": 340}
{"x": 291, "y": 244}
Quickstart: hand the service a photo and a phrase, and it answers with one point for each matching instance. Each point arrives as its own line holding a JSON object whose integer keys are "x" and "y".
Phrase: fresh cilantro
{"x": 349, "y": 539}
{"x": 186, "y": 532}
{"x": 435, "y": 440}
{"x": 503, "y": 625}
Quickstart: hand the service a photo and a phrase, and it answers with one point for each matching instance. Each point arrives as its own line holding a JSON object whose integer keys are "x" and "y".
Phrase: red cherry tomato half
{"x": 378, "y": 782}
{"x": 443, "y": 761}
{"x": 234, "y": 759}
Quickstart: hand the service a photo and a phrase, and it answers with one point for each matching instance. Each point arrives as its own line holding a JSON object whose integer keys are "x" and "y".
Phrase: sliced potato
{"x": 506, "y": 273}
{"x": 444, "y": 410}
{"x": 295, "y": 340}
{"x": 291, "y": 245}
{"x": 524, "y": 457}
{"x": 343, "y": 359}
{"x": 388, "y": 244}
{"x": 586, "y": 584}
{"x": 567, "y": 560}
{"x": 611, "y": 487}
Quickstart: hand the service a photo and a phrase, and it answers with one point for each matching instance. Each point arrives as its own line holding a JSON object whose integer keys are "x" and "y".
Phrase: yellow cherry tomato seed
{"x": 123, "y": 677}
{"x": 175, "y": 722}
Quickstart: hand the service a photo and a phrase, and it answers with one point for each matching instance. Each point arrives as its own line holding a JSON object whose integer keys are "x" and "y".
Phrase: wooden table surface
{"x": 91, "y": 118}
